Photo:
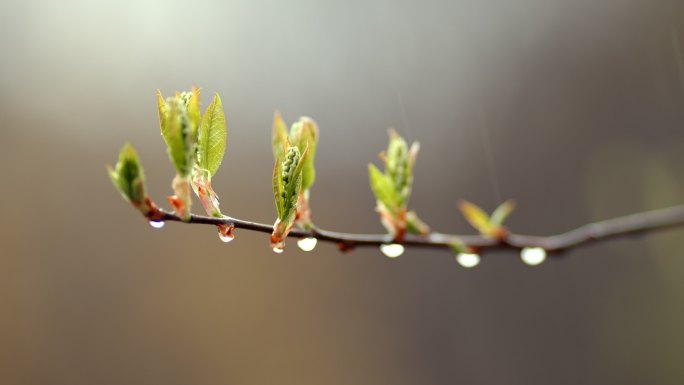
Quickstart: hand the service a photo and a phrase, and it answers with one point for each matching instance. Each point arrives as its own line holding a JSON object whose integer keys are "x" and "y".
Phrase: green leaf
{"x": 161, "y": 107}
{"x": 129, "y": 178}
{"x": 305, "y": 134}
{"x": 278, "y": 188}
{"x": 294, "y": 183}
{"x": 212, "y": 137}
{"x": 194, "y": 113}
{"x": 476, "y": 217}
{"x": 173, "y": 135}
{"x": 501, "y": 213}
{"x": 179, "y": 135}
{"x": 383, "y": 189}
{"x": 279, "y": 137}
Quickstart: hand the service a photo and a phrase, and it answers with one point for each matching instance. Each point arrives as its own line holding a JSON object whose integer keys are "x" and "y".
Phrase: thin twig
{"x": 634, "y": 224}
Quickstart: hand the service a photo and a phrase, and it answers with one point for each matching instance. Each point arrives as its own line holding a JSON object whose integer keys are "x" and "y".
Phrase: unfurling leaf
{"x": 392, "y": 188}
{"x": 476, "y": 217}
{"x": 501, "y": 213}
{"x": 383, "y": 189}
{"x": 304, "y": 136}
{"x": 179, "y": 119}
{"x": 287, "y": 184}
{"x": 211, "y": 144}
{"x": 128, "y": 177}
{"x": 279, "y": 137}
{"x": 179, "y": 131}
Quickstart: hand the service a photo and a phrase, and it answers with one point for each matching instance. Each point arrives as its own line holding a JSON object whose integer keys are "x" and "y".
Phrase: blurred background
{"x": 575, "y": 109}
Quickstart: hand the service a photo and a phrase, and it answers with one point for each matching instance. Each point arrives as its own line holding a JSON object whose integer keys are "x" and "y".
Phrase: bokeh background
{"x": 573, "y": 108}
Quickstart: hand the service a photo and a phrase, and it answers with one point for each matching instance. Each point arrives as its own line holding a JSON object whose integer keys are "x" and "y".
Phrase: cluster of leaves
{"x": 293, "y": 175}
{"x": 196, "y": 144}
{"x": 392, "y": 188}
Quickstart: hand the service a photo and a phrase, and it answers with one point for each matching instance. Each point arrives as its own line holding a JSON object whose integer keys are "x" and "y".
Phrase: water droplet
{"x": 392, "y": 250}
{"x": 468, "y": 260}
{"x": 278, "y": 250}
{"x": 225, "y": 233}
{"x": 533, "y": 255}
{"x": 157, "y": 224}
{"x": 226, "y": 237}
{"x": 307, "y": 244}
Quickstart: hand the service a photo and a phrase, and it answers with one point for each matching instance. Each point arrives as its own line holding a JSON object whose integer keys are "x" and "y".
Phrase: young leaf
{"x": 212, "y": 137}
{"x": 304, "y": 133}
{"x": 194, "y": 113}
{"x": 161, "y": 107}
{"x": 129, "y": 178}
{"x": 501, "y": 213}
{"x": 383, "y": 189}
{"x": 278, "y": 189}
{"x": 476, "y": 217}
{"x": 175, "y": 123}
{"x": 279, "y": 137}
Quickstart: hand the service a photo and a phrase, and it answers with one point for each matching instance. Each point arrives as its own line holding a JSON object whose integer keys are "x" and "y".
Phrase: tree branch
{"x": 634, "y": 224}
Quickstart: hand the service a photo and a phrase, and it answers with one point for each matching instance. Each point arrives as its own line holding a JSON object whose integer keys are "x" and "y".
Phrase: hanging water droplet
{"x": 226, "y": 237}
{"x": 533, "y": 255}
{"x": 468, "y": 260}
{"x": 278, "y": 250}
{"x": 307, "y": 244}
{"x": 392, "y": 250}
{"x": 225, "y": 233}
{"x": 157, "y": 224}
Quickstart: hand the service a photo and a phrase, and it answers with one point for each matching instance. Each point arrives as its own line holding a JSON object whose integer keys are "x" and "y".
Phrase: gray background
{"x": 579, "y": 102}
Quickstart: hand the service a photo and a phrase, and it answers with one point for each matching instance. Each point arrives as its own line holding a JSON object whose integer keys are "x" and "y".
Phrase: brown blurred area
{"x": 580, "y": 103}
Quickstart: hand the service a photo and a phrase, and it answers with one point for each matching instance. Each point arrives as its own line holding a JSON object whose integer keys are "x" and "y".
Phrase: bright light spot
{"x": 226, "y": 237}
{"x": 468, "y": 260}
{"x": 157, "y": 224}
{"x": 392, "y": 250}
{"x": 278, "y": 250}
{"x": 307, "y": 244}
{"x": 533, "y": 255}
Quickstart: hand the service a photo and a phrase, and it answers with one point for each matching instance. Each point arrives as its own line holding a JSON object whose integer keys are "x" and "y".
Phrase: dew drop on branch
{"x": 225, "y": 232}
{"x": 307, "y": 244}
{"x": 156, "y": 224}
{"x": 226, "y": 237}
{"x": 533, "y": 255}
{"x": 392, "y": 250}
{"x": 468, "y": 260}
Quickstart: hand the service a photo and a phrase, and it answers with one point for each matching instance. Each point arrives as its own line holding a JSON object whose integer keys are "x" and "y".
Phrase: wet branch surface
{"x": 629, "y": 225}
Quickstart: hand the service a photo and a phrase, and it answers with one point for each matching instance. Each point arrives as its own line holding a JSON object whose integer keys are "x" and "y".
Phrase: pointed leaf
{"x": 307, "y": 133}
{"x": 279, "y": 137}
{"x": 173, "y": 135}
{"x": 212, "y": 137}
{"x": 161, "y": 107}
{"x": 278, "y": 188}
{"x": 294, "y": 185}
{"x": 476, "y": 217}
{"x": 194, "y": 113}
{"x": 501, "y": 213}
